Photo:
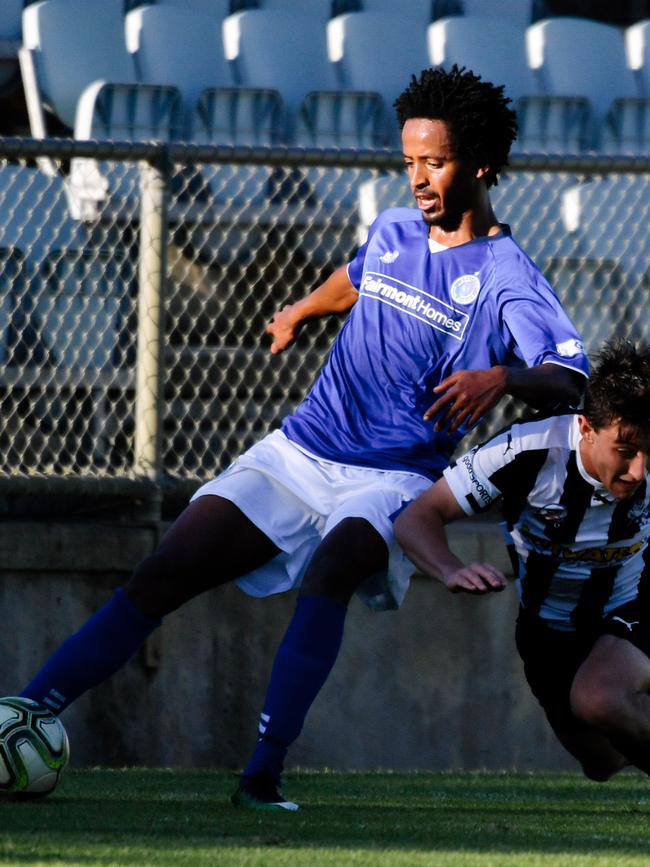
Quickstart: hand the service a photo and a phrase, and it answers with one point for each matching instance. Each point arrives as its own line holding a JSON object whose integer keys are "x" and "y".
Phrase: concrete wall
{"x": 437, "y": 685}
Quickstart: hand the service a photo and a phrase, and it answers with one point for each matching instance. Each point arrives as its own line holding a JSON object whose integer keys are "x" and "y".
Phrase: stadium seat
{"x": 121, "y": 112}
{"x": 626, "y": 127}
{"x": 419, "y": 11}
{"x": 280, "y": 50}
{"x": 321, "y": 9}
{"x": 378, "y": 52}
{"x": 87, "y": 77}
{"x": 477, "y": 43}
{"x": 637, "y": 48}
{"x": 513, "y": 12}
{"x": 237, "y": 117}
{"x": 218, "y": 9}
{"x": 67, "y": 59}
{"x": 10, "y": 36}
{"x": 579, "y": 59}
{"x": 178, "y": 47}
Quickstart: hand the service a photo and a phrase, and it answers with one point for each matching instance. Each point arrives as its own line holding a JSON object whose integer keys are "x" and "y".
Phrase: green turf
{"x": 163, "y": 817}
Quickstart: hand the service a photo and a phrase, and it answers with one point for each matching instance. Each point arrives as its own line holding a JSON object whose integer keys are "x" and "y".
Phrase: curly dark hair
{"x": 619, "y": 387}
{"x": 482, "y": 124}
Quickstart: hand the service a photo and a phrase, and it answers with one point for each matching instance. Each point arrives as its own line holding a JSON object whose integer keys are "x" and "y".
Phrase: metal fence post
{"x": 150, "y": 363}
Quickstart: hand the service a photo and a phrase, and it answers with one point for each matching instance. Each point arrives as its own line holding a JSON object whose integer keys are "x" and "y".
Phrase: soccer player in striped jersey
{"x": 448, "y": 315}
{"x": 575, "y": 498}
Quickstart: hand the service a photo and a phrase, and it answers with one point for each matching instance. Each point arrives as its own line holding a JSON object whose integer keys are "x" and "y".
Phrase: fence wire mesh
{"x": 238, "y": 236}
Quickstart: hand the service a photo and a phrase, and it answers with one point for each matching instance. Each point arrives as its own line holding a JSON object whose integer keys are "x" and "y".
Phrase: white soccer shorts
{"x": 296, "y": 498}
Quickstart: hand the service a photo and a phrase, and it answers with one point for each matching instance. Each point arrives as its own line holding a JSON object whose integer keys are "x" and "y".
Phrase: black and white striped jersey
{"x": 581, "y": 551}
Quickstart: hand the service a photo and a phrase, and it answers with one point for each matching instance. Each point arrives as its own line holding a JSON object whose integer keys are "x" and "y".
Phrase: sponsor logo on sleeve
{"x": 415, "y": 302}
{"x": 481, "y": 494}
{"x": 465, "y": 289}
{"x": 569, "y": 348}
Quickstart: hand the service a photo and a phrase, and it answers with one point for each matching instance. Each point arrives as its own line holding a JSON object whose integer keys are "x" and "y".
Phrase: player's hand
{"x": 283, "y": 329}
{"x": 476, "y": 578}
{"x": 466, "y": 395}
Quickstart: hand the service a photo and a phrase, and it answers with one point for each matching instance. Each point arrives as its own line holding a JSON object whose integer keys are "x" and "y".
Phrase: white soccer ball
{"x": 34, "y": 748}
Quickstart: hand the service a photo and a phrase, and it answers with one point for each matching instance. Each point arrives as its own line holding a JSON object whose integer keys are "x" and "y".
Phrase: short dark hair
{"x": 619, "y": 387}
{"x": 482, "y": 124}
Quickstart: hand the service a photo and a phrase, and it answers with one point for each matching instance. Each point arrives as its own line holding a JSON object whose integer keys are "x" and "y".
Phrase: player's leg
{"x": 611, "y": 694}
{"x": 210, "y": 543}
{"x": 551, "y": 659}
{"x": 351, "y": 552}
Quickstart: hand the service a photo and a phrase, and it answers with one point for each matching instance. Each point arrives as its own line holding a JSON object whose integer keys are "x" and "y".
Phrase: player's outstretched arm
{"x": 467, "y": 395}
{"x": 334, "y": 295}
{"x": 420, "y": 530}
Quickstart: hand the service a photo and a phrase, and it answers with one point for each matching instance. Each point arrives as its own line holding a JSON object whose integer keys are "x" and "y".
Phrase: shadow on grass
{"x": 163, "y": 813}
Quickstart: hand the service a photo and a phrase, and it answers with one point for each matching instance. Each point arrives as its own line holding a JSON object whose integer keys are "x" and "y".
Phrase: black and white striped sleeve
{"x": 478, "y": 478}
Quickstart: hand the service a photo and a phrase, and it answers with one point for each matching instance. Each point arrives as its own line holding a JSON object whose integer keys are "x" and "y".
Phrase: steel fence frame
{"x": 157, "y": 162}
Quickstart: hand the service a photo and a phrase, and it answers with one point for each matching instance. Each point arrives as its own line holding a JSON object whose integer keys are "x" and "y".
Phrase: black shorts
{"x": 551, "y": 658}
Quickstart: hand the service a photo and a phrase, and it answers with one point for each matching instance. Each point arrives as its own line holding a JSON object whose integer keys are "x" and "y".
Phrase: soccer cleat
{"x": 261, "y": 793}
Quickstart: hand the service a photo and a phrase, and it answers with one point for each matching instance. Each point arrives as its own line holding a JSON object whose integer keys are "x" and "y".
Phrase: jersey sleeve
{"x": 540, "y": 329}
{"x": 476, "y": 478}
{"x": 391, "y": 215}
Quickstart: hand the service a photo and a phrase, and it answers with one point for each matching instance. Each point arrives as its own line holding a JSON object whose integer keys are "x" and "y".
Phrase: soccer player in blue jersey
{"x": 448, "y": 315}
{"x": 576, "y": 499}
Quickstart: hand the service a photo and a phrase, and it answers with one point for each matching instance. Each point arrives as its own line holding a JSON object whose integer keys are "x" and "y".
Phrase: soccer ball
{"x": 34, "y": 748}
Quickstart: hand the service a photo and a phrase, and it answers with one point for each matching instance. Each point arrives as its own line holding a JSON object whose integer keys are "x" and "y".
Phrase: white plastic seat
{"x": 69, "y": 58}
{"x": 378, "y": 52}
{"x": 580, "y": 58}
{"x": 554, "y": 125}
{"x": 513, "y": 12}
{"x": 86, "y": 75}
{"x": 280, "y": 50}
{"x": 321, "y": 9}
{"x": 122, "y": 112}
{"x": 237, "y": 117}
{"x": 478, "y": 44}
{"x": 419, "y": 11}
{"x": 184, "y": 48}
{"x": 218, "y": 9}
{"x": 178, "y": 47}
{"x": 637, "y": 49}
{"x": 626, "y": 129}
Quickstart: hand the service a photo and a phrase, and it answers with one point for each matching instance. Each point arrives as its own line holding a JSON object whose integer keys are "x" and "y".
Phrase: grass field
{"x": 163, "y": 817}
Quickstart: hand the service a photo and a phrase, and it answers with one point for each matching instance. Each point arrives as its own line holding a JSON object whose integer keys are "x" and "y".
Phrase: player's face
{"x": 445, "y": 187}
{"x": 616, "y": 456}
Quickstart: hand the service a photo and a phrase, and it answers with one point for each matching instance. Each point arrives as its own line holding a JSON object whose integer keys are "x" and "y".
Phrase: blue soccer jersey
{"x": 420, "y": 317}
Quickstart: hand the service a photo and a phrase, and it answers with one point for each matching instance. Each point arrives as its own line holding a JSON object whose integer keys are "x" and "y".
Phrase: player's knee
{"x": 353, "y": 551}
{"x": 596, "y": 705}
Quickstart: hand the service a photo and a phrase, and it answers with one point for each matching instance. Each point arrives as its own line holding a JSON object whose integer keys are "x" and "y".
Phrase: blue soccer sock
{"x": 103, "y": 644}
{"x": 303, "y": 662}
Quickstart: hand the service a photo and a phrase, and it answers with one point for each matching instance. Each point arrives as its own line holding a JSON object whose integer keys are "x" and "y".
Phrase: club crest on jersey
{"x": 389, "y": 257}
{"x": 465, "y": 289}
{"x": 552, "y": 515}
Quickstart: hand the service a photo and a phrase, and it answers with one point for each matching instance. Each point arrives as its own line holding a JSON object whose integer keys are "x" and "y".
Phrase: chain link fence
{"x": 136, "y": 282}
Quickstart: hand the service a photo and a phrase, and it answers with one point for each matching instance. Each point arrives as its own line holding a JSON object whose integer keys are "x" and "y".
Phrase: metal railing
{"x": 136, "y": 280}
